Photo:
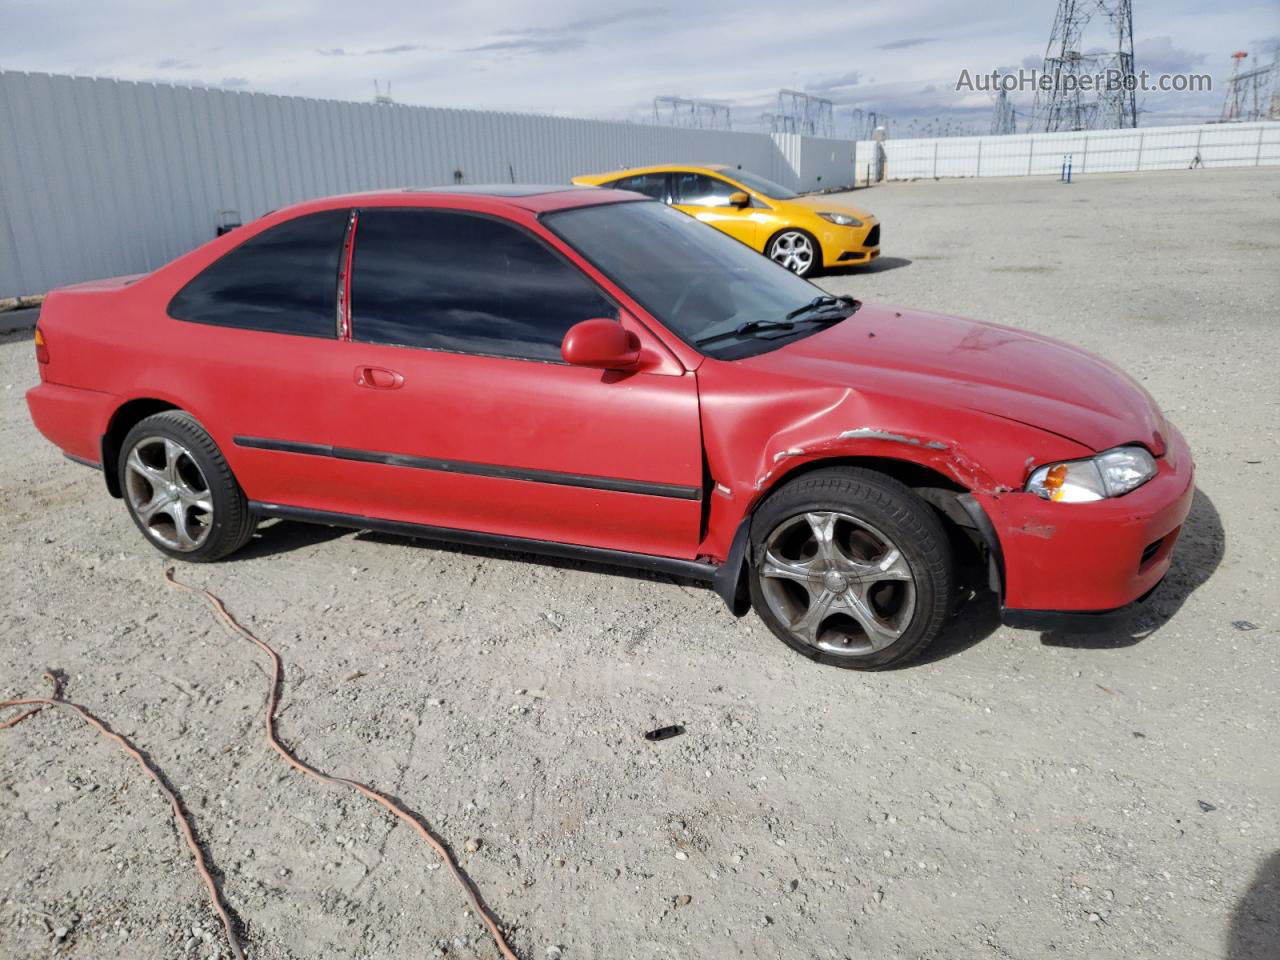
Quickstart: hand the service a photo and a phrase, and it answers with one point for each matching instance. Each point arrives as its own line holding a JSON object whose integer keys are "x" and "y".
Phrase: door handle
{"x": 378, "y": 378}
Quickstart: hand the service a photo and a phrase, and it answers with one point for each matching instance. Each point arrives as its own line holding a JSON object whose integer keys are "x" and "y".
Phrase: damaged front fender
{"x": 755, "y": 440}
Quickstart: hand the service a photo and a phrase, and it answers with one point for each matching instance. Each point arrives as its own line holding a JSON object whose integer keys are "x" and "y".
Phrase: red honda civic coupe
{"x": 589, "y": 373}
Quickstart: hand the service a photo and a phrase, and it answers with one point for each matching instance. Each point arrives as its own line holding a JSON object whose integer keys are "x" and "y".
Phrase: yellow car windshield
{"x": 774, "y": 191}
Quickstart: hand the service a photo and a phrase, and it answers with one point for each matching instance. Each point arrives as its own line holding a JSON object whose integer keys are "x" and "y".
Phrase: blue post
{"x": 1066, "y": 169}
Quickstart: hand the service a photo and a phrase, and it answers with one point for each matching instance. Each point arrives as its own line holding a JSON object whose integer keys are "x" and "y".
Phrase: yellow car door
{"x": 710, "y": 200}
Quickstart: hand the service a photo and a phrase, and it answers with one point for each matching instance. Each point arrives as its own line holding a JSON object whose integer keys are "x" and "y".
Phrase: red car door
{"x": 258, "y": 360}
{"x": 461, "y": 413}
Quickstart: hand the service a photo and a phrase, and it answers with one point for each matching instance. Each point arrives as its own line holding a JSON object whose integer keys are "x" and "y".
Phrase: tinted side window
{"x": 699, "y": 190}
{"x": 650, "y": 184}
{"x": 284, "y": 280}
{"x": 470, "y": 284}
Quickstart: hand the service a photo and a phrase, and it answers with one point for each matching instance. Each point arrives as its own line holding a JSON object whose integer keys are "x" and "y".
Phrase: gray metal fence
{"x": 103, "y": 177}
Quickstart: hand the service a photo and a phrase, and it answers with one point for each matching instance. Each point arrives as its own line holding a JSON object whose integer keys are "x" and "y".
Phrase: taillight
{"x": 42, "y": 349}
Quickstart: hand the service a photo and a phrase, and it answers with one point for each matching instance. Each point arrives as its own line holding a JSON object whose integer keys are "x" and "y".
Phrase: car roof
{"x": 536, "y": 198}
{"x": 671, "y": 168}
{"x": 500, "y": 189}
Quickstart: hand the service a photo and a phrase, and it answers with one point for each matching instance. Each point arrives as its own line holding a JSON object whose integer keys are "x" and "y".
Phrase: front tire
{"x": 180, "y": 491}
{"x": 850, "y": 568}
{"x": 797, "y": 250}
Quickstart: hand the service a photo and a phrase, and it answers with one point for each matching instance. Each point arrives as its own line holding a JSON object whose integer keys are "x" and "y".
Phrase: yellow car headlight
{"x": 841, "y": 219}
{"x": 1111, "y": 473}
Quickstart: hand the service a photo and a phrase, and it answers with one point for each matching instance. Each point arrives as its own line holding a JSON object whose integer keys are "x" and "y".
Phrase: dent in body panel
{"x": 871, "y": 441}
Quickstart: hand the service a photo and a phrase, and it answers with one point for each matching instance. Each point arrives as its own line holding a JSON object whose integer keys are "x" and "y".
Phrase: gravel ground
{"x": 1015, "y": 795}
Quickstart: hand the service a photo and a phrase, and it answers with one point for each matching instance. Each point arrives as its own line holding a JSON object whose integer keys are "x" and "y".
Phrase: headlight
{"x": 841, "y": 219}
{"x": 1109, "y": 474}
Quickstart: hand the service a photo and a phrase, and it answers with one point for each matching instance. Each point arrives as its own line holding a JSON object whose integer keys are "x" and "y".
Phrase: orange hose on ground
{"x": 273, "y": 700}
{"x": 230, "y": 622}
{"x": 180, "y": 815}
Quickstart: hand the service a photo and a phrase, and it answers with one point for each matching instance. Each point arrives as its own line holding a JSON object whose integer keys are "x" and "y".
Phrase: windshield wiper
{"x": 744, "y": 329}
{"x": 824, "y": 310}
{"x": 813, "y": 304}
{"x": 824, "y": 301}
{"x": 765, "y": 326}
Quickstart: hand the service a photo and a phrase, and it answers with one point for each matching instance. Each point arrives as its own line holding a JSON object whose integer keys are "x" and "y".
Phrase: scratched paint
{"x": 875, "y": 433}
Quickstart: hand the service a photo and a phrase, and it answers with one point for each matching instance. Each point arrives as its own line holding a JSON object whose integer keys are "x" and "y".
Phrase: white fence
{"x": 103, "y": 177}
{"x": 1095, "y": 151}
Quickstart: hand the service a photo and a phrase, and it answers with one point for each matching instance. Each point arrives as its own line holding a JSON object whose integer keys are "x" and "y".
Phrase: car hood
{"x": 992, "y": 369}
{"x": 823, "y": 203}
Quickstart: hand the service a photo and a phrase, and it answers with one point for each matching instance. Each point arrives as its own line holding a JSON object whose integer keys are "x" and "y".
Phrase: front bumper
{"x": 846, "y": 246}
{"x": 1074, "y": 621}
{"x": 1089, "y": 560}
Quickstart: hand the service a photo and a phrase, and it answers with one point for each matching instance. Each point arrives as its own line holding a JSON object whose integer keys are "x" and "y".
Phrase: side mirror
{"x": 601, "y": 343}
{"x": 739, "y": 199}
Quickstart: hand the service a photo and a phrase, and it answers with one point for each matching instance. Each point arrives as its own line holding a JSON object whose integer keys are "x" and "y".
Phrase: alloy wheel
{"x": 837, "y": 583}
{"x": 793, "y": 250}
{"x": 168, "y": 493}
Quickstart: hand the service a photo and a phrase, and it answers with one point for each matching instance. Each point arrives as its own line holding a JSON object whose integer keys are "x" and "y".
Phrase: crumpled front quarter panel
{"x": 759, "y": 426}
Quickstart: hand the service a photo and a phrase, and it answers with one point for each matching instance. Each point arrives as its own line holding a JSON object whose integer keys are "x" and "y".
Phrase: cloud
{"x": 843, "y": 81}
{"x": 587, "y": 24}
{"x": 575, "y": 58}
{"x": 565, "y": 36}
{"x": 908, "y": 42}
{"x": 233, "y": 83}
{"x": 1159, "y": 55}
{"x": 529, "y": 45}
{"x": 382, "y": 51}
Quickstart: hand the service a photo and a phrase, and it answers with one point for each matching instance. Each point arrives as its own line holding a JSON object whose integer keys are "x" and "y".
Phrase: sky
{"x": 573, "y": 58}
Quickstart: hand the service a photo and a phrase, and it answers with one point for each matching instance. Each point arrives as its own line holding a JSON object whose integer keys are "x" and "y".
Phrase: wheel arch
{"x": 124, "y": 419}
{"x": 910, "y": 473}
{"x": 962, "y": 518}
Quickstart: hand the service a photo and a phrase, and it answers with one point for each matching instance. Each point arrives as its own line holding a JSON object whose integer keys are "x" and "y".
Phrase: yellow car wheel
{"x": 797, "y": 250}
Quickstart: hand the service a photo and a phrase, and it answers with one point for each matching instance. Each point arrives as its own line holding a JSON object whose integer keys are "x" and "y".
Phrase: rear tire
{"x": 851, "y": 569}
{"x": 179, "y": 490}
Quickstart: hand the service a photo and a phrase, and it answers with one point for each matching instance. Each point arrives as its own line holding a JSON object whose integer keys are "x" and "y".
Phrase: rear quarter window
{"x": 283, "y": 280}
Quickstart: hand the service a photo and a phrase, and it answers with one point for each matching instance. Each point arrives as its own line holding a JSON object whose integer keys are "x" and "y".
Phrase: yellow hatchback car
{"x": 801, "y": 233}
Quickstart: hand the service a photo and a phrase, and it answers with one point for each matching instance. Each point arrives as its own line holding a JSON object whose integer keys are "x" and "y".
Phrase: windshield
{"x": 775, "y": 191}
{"x": 710, "y": 290}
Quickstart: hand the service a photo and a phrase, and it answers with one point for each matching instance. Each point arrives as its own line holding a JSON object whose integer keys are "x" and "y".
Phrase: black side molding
{"x": 616, "y": 484}
{"x": 82, "y": 461}
{"x": 691, "y": 569}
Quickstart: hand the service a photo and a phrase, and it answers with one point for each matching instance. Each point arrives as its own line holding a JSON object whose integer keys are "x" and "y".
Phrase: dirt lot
{"x": 1013, "y": 796}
